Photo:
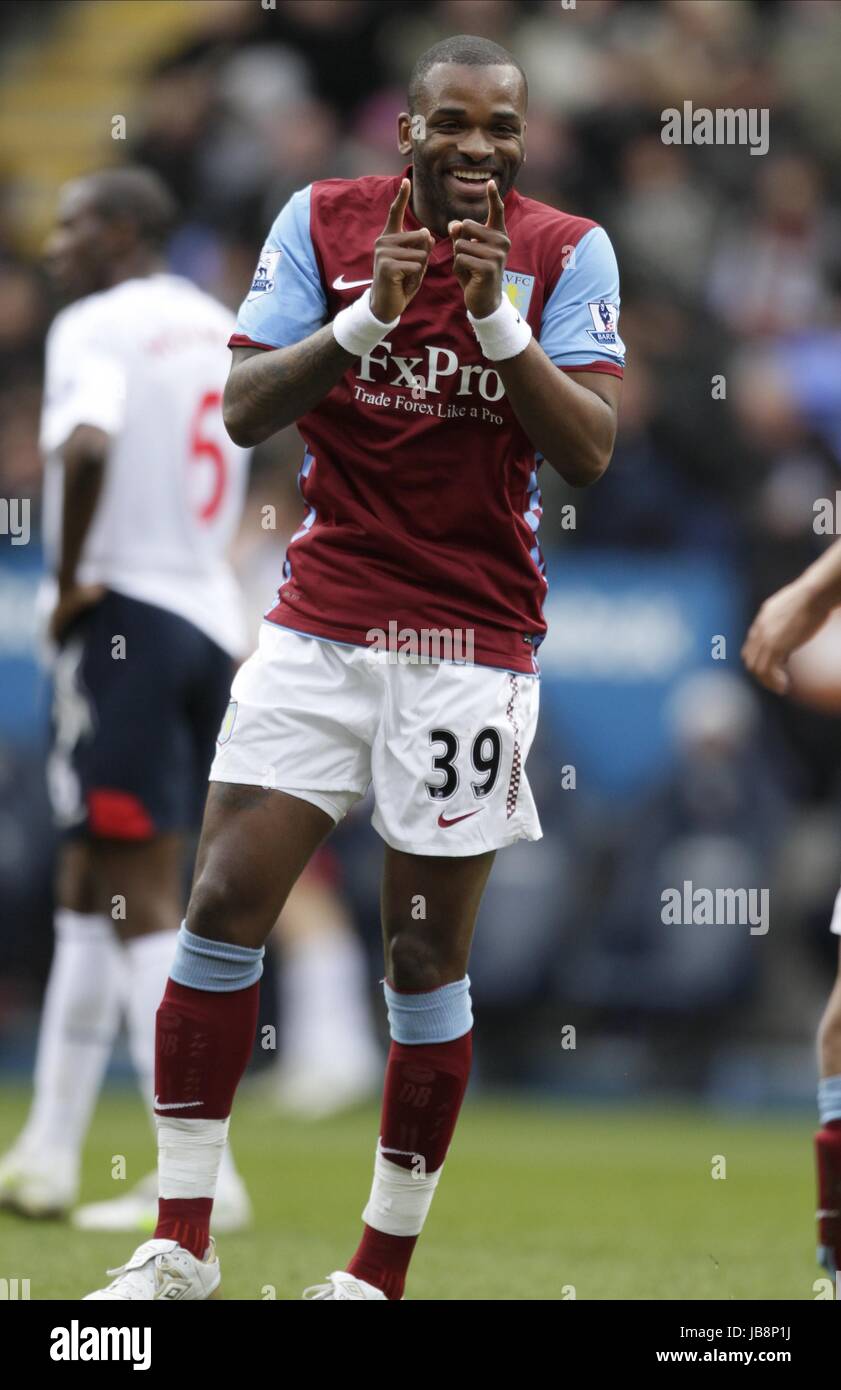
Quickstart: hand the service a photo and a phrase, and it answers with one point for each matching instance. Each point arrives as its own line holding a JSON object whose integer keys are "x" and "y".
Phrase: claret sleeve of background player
{"x": 286, "y": 301}
{"x": 579, "y": 328}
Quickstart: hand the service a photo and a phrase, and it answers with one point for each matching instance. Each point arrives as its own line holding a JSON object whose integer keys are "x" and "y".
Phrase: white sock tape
{"x": 504, "y": 333}
{"x": 189, "y": 1155}
{"x": 400, "y": 1197}
{"x": 357, "y": 330}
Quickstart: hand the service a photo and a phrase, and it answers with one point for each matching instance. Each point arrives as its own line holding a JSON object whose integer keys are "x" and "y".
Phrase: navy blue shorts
{"x": 138, "y": 698}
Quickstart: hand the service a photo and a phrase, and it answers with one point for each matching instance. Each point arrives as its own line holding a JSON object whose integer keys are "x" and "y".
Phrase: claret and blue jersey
{"x": 421, "y": 485}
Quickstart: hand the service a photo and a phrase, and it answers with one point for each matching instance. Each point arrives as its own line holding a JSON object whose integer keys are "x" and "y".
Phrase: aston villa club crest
{"x": 228, "y": 723}
{"x": 518, "y": 288}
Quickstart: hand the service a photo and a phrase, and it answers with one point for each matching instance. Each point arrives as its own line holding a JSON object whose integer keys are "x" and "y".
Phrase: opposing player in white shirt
{"x": 143, "y": 491}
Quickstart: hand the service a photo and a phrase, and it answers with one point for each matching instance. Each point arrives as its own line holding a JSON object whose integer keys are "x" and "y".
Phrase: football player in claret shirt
{"x": 435, "y": 335}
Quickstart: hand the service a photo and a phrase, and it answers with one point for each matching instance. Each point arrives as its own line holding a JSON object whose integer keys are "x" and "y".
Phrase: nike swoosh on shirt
{"x": 443, "y": 822}
{"x": 343, "y": 284}
{"x": 176, "y": 1104}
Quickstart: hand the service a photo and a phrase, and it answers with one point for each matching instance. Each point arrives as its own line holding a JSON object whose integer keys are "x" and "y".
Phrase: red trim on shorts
{"x": 117, "y": 815}
{"x": 324, "y": 868}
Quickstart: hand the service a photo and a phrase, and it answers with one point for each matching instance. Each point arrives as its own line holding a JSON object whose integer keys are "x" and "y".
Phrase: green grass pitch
{"x": 535, "y": 1198}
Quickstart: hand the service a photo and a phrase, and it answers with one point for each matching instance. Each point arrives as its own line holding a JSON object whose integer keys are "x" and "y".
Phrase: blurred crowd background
{"x": 730, "y": 431}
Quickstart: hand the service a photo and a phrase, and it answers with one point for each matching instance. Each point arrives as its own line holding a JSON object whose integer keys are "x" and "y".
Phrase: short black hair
{"x": 462, "y": 48}
{"x": 137, "y": 194}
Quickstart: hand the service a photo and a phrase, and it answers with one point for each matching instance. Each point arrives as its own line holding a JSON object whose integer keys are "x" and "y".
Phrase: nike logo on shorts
{"x": 343, "y": 284}
{"x": 443, "y": 822}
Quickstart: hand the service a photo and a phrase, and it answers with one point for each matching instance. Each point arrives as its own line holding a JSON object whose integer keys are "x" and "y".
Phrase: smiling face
{"x": 474, "y": 130}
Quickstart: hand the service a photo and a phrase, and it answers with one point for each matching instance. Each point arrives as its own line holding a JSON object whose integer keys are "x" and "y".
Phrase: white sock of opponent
{"x": 79, "y": 1022}
{"x": 327, "y": 1026}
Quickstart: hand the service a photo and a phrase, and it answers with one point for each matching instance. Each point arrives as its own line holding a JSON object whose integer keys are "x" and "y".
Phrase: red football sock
{"x": 828, "y": 1154}
{"x": 203, "y": 1042}
{"x": 424, "y": 1088}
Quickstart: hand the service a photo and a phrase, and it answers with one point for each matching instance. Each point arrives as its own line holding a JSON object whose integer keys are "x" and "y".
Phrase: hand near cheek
{"x": 480, "y": 251}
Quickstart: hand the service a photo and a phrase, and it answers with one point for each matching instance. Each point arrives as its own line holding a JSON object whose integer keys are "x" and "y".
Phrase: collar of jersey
{"x": 443, "y": 249}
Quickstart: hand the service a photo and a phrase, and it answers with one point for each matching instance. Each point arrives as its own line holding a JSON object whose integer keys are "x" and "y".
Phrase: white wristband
{"x": 503, "y": 333}
{"x": 357, "y": 330}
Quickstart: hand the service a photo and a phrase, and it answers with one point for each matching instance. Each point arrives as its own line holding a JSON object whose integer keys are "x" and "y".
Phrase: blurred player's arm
{"x": 268, "y": 390}
{"x": 82, "y": 414}
{"x": 84, "y": 456}
{"x": 790, "y": 617}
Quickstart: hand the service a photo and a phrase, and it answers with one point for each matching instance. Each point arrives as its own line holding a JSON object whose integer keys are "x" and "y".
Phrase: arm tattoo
{"x": 270, "y": 390}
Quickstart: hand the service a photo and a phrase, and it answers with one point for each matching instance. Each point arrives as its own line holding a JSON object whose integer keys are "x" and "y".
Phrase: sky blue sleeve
{"x": 580, "y": 322}
{"x": 286, "y": 301}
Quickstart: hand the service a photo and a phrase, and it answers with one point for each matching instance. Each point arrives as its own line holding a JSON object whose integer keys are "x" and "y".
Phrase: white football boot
{"x": 137, "y": 1210}
{"x": 34, "y": 1187}
{"x": 164, "y": 1270}
{"x": 341, "y": 1285}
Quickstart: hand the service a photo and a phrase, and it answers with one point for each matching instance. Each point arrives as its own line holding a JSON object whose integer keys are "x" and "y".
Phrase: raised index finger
{"x": 394, "y": 221}
{"x": 496, "y": 208}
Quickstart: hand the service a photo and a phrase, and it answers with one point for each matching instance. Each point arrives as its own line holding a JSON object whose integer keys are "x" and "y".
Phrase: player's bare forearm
{"x": 791, "y": 617}
{"x": 266, "y": 391}
{"x": 84, "y": 457}
{"x": 820, "y": 584}
{"x": 569, "y": 417}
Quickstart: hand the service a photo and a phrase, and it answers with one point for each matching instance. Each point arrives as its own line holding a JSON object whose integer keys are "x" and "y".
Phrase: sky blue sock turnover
{"x": 436, "y": 1016}
{"x": 829, "y": 1099}
{"x": 218, "y": 966}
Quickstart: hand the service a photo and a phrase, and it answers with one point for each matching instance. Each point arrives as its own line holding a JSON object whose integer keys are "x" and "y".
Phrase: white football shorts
{"x": 444, "y": 744}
